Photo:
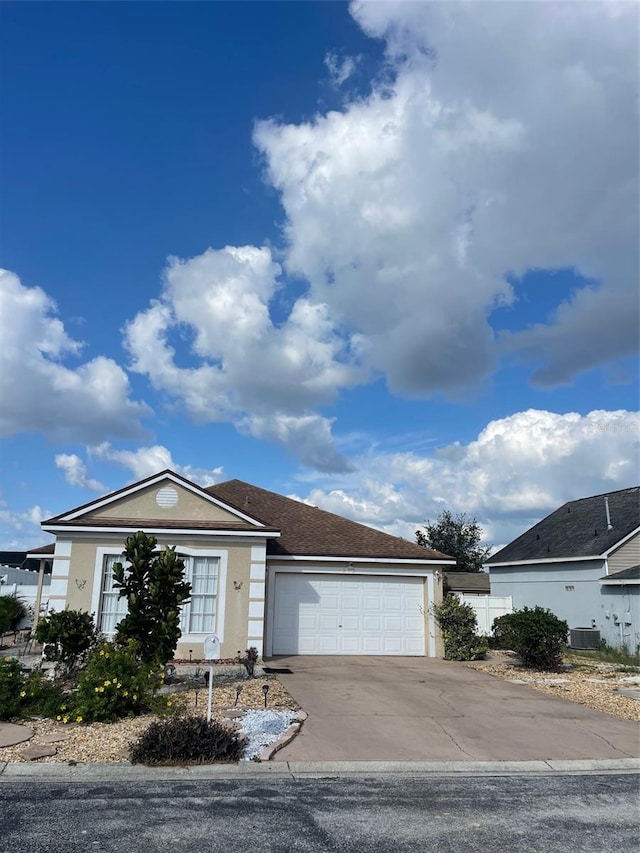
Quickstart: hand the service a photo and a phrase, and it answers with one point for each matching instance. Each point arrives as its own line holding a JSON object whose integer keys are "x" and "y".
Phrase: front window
{"x": 112, "y": 607}
{"x": 199, "y": 615}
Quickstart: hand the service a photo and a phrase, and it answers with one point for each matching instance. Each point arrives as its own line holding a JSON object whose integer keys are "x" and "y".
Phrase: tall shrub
{"x": 535, "y": 634}
{"x": 153, "y": 584}
{"x": 459, "y": 628}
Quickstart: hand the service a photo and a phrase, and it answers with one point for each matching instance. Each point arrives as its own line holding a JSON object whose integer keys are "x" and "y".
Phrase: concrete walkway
{"x": 412, "y": 709}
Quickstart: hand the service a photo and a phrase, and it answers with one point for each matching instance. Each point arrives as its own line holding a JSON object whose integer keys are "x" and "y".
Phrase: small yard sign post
{"x": 211, "y": 653}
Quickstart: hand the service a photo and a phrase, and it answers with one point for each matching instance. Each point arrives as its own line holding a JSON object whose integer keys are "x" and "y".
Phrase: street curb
{"x": 297, "y": 770}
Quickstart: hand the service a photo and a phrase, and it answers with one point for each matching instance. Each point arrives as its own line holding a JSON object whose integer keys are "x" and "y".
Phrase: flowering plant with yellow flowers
{"x": 116, "y": 684}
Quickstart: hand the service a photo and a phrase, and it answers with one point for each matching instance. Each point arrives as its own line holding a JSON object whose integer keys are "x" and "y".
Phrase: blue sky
{"x": 379, "y": 256}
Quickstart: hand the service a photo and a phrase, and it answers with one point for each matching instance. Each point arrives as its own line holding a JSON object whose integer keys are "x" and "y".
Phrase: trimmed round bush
{"x": 187, "y": 740}
{"x": 535, "y": 634}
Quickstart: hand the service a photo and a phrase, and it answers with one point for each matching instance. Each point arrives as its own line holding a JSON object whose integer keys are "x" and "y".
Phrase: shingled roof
{"x": 309, "y": 531}
{"x": 630, "y": 574}
{"x": 577, "y": 529}
{"x": 474, "y": 582}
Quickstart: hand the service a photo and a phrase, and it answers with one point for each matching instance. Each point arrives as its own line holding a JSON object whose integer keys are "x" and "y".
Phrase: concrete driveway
{"x": 394, "y": 709}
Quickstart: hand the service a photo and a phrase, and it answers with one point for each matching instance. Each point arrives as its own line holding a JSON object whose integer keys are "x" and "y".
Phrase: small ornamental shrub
{"x": 535, "y": 634}
{"x": 28, "y": 695}
{"x": 69, "y": 636}
{"x": 187, "y": 740}
{"x": 459, "y": 628}
{"x": 116, "y": 684}
{"x": 13, "y": 611}
{"x": 40, "y": 697}
{"x": 11, "y": 686}
{"x": 249, "y": 660}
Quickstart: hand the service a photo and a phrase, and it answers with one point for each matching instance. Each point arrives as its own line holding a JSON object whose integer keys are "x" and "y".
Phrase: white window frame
{"x": 96, "y": 595}
{"x": 120, "y": 603}
{"x": 221, "y": 555}
{"x": 185, "y": 611}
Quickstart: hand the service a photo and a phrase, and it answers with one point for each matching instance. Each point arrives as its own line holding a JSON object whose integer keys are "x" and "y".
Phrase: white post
{"x": 211, "y": 653}
{"x": 210, "y": 699}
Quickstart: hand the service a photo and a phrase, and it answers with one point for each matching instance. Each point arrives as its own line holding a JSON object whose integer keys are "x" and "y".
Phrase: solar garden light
{"x": 238, "y": 692}
{"x": 265, "y": 690}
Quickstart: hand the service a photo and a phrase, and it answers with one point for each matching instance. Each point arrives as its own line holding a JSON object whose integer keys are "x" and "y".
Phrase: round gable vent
{"x": 167, "y": 497}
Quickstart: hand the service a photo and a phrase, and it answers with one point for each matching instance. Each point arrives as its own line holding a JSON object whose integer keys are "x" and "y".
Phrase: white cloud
{"x": 507, "y": 140}
{"x": 75, "y": 472}
{"x": 39, "y": 392}
{"x": 340, "y": 69}
{"x": 20, "y": 529}
{"x": 265, "y": 378}
{"x": 518, "y": 469}
{"x": 146, "y": 461}
{"x": 308, "y": 437}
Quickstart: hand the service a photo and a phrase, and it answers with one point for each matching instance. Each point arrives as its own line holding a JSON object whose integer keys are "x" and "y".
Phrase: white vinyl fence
{"x": 487, "y": 608}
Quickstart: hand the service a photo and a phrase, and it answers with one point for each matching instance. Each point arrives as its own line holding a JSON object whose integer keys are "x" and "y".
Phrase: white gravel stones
{"x": 262, "y": 728}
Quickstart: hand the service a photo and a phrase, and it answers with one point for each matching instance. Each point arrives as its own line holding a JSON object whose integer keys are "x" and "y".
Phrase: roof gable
{"x": 577, "y": 529}
{"x": 309, "y": 531}
{"x": 161, "y": 498}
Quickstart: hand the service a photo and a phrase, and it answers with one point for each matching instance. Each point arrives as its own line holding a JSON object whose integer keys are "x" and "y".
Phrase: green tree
{"x": 458, "y": 536}
{"x": 153, "y": 584}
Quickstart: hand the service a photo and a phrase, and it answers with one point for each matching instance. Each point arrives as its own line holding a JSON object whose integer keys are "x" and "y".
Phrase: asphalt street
{"x": 568, "y": 813}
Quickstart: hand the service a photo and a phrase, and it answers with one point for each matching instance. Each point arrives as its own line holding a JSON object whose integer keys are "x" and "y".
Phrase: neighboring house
{"x": 266, "y": 570}
{"x": 574, "y": 562}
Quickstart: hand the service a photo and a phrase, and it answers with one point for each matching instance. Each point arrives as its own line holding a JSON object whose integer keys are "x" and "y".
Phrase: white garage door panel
{"x": 348, "y": 615}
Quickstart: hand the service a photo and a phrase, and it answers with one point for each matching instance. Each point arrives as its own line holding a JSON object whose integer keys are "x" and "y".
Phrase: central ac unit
{"x": 587, "y": 639}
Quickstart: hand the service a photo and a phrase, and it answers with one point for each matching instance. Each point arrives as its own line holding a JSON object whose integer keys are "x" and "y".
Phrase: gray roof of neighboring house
{"x": 577, "y": 529}
{"x": 43, "y": 549}
{"x": 473, "y": 582}
{"x": 630, "y": 574}
{"x": 309, "y": 531}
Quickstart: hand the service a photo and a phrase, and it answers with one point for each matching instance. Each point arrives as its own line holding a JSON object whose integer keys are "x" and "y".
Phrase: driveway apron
{"x": 397, "y": 708}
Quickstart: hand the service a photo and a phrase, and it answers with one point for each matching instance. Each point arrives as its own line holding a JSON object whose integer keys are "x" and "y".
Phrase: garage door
{"x": 348, "y": 615}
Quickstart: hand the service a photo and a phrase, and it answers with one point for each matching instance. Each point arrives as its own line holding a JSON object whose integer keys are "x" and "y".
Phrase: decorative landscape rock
{"x": 54, "y": 737}
{"x": 33, "y": 753}
{"x": 11, "y": 734}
